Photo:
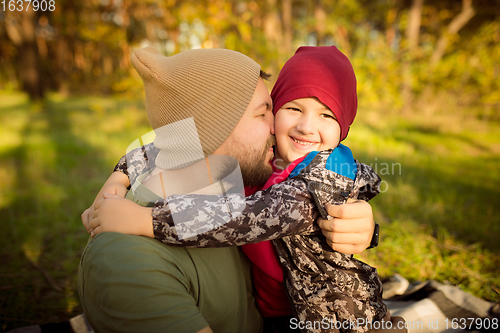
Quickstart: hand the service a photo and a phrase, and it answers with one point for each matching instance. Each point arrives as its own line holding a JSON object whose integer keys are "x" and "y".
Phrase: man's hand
{"x": 116, "y": 214}
{"x": 351, "y": 229}
{"x": 116, "y": 184}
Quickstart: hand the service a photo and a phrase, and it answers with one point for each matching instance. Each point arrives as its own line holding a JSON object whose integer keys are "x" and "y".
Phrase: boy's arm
{"x": 352, "y": 228}
{"x": 138, "y": 161}
{"x": 282, "y": 210}
{"x": 355, "y": 220}
{"x": 214, "y": 221}
{"x": 130, "y": 165}
{"x": 350, "y": 231}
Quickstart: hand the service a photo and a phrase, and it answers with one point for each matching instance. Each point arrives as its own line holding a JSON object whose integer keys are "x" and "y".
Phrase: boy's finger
{"x": 345, "y": 238}
{"x": 347, "y": 248}
{"x": 98, "y": 203}
{"x": 85, "y": 218}
{"x": 342, "y": 226}
{"x": 111, "y": 196}
{"x": 96, "y": 231}
{"x": 93, "y": 223}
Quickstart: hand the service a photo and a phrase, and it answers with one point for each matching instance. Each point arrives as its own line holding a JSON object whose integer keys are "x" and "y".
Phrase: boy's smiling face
{"x": 304, "y": 125}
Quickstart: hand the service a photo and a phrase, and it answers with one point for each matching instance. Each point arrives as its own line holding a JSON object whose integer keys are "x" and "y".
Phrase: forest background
{"x": 429, "y": 122}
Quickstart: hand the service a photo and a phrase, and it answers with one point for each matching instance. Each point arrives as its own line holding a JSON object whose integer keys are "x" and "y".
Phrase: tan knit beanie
{"x": 194, "y": 99}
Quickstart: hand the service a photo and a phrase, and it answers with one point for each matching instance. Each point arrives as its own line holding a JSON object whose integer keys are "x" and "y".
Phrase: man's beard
{"x": 255, "y": 168}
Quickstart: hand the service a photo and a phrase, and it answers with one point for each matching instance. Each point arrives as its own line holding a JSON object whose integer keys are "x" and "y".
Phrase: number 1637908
{"x": 26, "y": 5}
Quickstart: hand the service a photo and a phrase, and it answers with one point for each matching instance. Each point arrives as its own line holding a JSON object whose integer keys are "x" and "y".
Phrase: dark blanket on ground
{"x": 435, "y": 307}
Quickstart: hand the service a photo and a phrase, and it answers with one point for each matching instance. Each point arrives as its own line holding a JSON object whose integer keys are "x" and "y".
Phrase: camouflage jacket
{"x": 329, "y": 291}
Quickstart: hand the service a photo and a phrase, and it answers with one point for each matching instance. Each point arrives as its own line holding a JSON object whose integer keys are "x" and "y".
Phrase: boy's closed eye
{"x": 327, "y": 115}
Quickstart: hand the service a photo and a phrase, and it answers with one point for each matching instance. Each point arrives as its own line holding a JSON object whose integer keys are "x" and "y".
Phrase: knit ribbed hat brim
{"x": 211, "y": 86}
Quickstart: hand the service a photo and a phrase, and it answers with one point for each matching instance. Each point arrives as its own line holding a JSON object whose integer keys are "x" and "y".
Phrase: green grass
{"x": 54, "y": 157}
{"x": 439, "y": 215}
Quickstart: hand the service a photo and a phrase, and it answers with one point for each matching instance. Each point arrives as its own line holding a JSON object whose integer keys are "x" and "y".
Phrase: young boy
{"x": 315, "y": 102}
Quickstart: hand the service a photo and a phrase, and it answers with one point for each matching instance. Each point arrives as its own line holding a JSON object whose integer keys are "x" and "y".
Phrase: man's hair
{"x": 264, "y": 75}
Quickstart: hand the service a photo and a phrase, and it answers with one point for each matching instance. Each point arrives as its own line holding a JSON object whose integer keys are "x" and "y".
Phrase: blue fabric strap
{"x": 340, "y": 161}
{"x": 303, "y": 164}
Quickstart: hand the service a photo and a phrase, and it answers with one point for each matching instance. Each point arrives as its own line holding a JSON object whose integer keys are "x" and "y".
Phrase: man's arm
{"x": 134, "y": 284}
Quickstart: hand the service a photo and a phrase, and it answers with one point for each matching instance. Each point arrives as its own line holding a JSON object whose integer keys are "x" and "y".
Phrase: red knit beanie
{"x": 322, "y": 72}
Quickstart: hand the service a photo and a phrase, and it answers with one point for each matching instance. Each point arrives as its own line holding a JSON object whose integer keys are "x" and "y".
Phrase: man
{"x": 136, "y": 284}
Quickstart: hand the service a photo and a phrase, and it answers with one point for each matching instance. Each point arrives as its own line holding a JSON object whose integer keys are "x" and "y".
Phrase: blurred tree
{"x": 403, "y": 50}
{"x": 287, "y": 26}
{"x": 453, "y": 28}
{"x": 20, "y": 27}
{"x": 412, "y": 39}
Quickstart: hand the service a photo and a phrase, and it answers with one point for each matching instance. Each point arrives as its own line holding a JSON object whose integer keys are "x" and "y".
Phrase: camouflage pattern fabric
{"x": 329, "y": 291}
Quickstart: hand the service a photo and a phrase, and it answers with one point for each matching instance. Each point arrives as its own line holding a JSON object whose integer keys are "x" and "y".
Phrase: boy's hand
{"x": 351, "y": 229}
{"x": 117, "y": 189}
{"x": 117, "y": 214}
{"x": 116, "y": 184}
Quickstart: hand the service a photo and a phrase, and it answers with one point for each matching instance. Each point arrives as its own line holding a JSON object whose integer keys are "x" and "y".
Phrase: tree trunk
{"x": 454, "y": 27}
{"x": 414, "y": 22}
{"x": 29, "y": 70}
{"x": 412, "y": 37}
{"x": 342, "y": 40}
{"x": 60, "y": 68}
{"x": 287, "y": 26}
{"x": 20, "y": 27}
{"x": 390, "y": 33}
{"x": 320, "y": 18}
{"x": 271, "y": 22}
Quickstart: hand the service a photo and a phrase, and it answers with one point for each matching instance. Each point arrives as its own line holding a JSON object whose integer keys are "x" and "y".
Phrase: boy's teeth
{"x": 303, "y": 143}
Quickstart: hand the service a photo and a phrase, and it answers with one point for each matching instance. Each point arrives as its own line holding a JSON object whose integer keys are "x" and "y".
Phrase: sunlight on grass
{"x": 32, "y": 248}
{"x": 7, "y": 179}
{"x": 439, "y": 214}
{"x": 54, "y": 156}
